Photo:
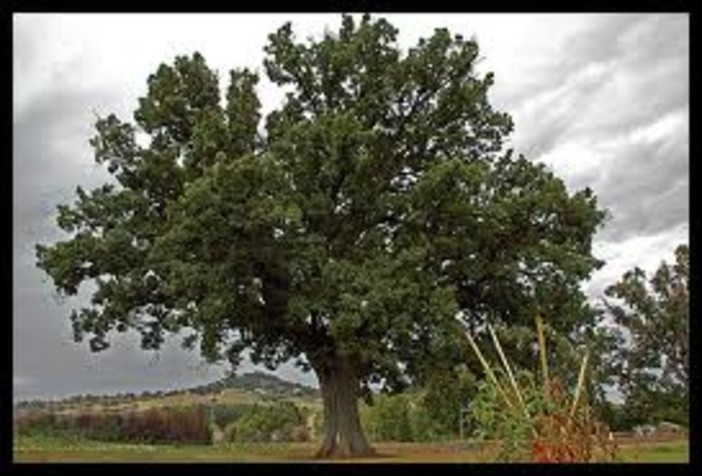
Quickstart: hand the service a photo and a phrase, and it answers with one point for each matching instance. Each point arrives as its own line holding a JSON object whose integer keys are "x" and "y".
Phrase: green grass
{"x": 56, "y": 448}
{"x": 75, "y": 449}
{"x": 668, "y": 452}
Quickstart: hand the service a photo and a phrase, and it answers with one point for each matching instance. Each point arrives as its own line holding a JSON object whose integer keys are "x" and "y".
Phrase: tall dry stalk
{"x": 508, "y": 370}
{"x": 578, "y": 389}
{"x": 489, "y": 371}
{"x": 542, "y": 353}
{"x": 559, "y": 432}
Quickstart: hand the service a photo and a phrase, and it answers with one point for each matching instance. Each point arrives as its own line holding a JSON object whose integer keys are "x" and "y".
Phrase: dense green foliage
{"x": 425, "y": 427}
{"x": 389, "y": 419}
{"x": 650, "y": 365}
{"x": 223, "y": 414}
{"x": 445, "y": 395}
{"x": 261, "y": 422}
{"x": 421, "y": 415}
{"x": 490, "y": 419}
{"x": 618, "y": 417}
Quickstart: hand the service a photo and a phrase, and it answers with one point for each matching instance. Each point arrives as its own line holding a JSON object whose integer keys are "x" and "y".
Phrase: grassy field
{"x": 663, "y": 452}
{"x": 54, "y": 449}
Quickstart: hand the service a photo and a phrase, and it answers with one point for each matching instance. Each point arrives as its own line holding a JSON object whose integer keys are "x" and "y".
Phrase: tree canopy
{"x": 348, "y": 230}
{"x": 651, "y": 364}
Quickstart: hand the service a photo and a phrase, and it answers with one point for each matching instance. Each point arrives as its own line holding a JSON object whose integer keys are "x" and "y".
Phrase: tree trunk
{"x": 343, "y": 435}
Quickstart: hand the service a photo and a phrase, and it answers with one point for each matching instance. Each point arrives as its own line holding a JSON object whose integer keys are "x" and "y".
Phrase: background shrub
{"x": 35, "y": 421}
{"x": 388, "y": 418}
{"x": 223, "y": 414}
{"x": 155, "y": 425}
{"x": 425, "y": 426}
{"x": 182, "y": 425}
{"x": 260, "y": 422}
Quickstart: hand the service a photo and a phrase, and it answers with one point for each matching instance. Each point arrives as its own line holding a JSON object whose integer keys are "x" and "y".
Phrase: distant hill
{"x": 257, "y": 382}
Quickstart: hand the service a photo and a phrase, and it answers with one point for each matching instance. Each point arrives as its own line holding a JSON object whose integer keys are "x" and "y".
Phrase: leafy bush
{"x": 492, "y": 421}
{"x": 260, "y": 422}
{"x": 403, "y": 417}
{"x": 447, "y": 392}
{"x": 388, "y": 418}
{"x": 223, "y": 414}
{"x": 424, "y": 425}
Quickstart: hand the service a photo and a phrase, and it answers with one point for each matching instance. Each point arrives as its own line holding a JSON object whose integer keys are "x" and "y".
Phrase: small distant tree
{"x": 653, "y": 316}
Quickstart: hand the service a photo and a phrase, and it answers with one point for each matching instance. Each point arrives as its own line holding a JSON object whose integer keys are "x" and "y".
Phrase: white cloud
{"x": 646, "y": 252}
{"x": 19, "y": 381}
{"x": 662, "y": 128}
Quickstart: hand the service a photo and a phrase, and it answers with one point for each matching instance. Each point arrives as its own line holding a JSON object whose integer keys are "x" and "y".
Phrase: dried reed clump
{"x": 543, "y": 423}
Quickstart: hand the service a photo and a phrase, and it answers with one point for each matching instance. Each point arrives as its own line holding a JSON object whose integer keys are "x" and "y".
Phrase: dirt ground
{"x": 448, "y": 452}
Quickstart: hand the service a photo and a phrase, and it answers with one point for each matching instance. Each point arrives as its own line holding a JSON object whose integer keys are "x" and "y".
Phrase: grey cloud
{"x": 620, "y": 40}
{"x": 619, "y": 75}
{"x": 638, "y": 99}
{"x": 600, "y": 42}
{"x": 47, "y": 153}
{"x": 546, "y": 120}
{"x": 646, "y": 252}
{"x": 52, "y": 364}
{"x": 647, "y": 190}
{"x": 50, "y": 157}
{"x": 656, "y": 38}
{"x": 596, "y": 43}
{"x": 644, "y": 59}
{"x": 25, "y": 45}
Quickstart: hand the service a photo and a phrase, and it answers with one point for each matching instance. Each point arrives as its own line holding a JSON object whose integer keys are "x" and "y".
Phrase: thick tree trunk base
{"x": 334, "y": 452}
{"x": 343, "y": 435}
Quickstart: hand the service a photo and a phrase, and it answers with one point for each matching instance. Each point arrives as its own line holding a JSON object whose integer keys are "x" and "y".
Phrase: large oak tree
{"x": 374, "y": 215}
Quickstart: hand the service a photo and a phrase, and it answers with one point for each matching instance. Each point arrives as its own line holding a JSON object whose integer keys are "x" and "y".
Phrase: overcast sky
{"x": 602, "y": 99}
